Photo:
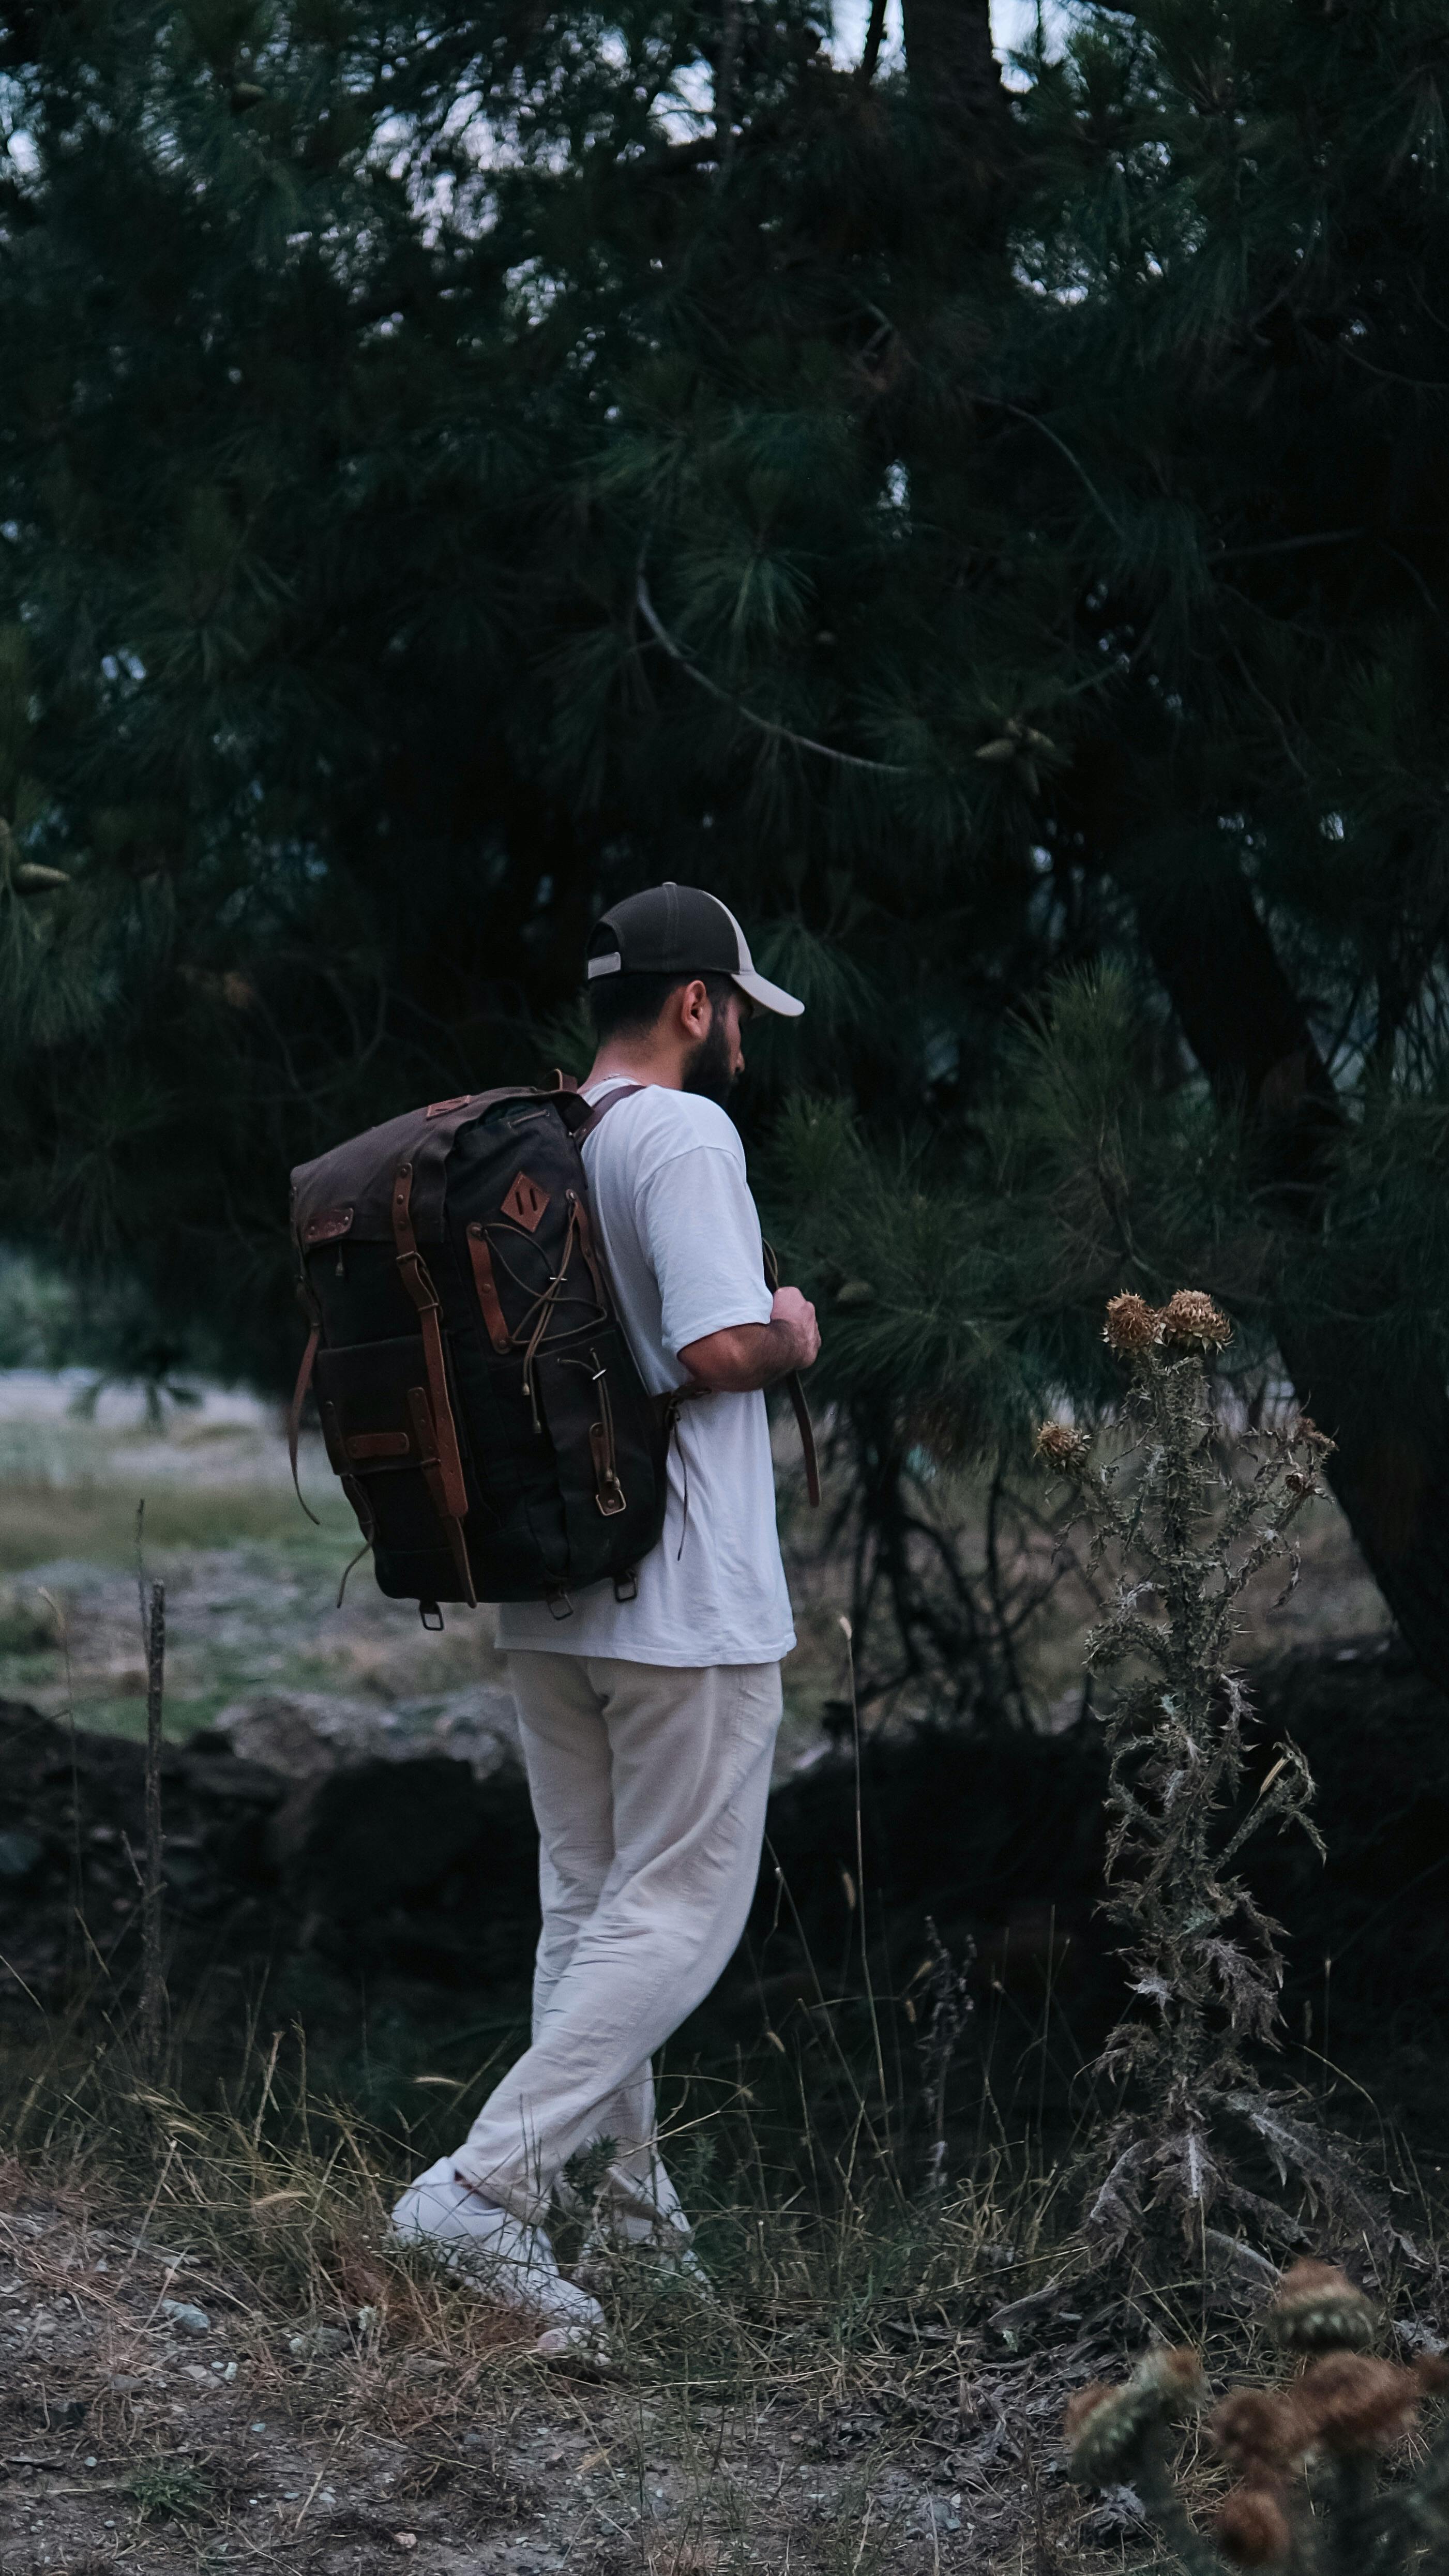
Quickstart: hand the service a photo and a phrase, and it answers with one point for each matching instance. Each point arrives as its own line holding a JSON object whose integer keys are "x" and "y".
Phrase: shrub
{"x": 1306, "y": 2454}
{"x": 1193, "y": 1514}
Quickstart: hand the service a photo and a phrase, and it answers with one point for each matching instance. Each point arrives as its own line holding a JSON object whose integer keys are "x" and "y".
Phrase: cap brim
{"x": 767, "y": 996}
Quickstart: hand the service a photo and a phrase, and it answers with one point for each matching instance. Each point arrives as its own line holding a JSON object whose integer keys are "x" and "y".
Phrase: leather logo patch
{"x": 526, "y": 1203}
{"x": 440, "y": 1108}
{"x": 327, "y": 1227}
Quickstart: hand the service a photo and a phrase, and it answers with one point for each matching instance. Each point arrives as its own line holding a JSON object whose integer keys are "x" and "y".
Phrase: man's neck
{"x": 658, "y": 1065}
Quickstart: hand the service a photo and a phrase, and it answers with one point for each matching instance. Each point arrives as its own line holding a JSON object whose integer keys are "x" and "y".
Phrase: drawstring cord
{"x": 539, "y": 1315}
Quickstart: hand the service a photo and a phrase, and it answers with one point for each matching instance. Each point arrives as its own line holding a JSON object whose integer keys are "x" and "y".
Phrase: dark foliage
{"x": 458, "y": 465}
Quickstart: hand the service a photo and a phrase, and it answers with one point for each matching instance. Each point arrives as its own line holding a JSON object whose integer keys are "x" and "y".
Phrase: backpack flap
{"x": 478, "y": 1397}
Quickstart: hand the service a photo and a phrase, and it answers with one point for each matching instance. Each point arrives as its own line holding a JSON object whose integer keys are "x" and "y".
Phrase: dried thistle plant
{"x": 939, "y": 2021}
{"x": 1192, "y": 1515}
{"x": 1307, "y": 2455}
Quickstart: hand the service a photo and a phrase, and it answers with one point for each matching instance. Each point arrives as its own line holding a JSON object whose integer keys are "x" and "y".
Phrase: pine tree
{"x": 460, "y": 464}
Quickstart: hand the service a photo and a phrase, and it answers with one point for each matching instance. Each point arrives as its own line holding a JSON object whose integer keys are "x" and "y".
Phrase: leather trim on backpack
{"x": 359, "y": 1173}
{"x": 481, "y": 1262}
{"x": 444, "y": 1469}
{"x": 591, "y": 1259}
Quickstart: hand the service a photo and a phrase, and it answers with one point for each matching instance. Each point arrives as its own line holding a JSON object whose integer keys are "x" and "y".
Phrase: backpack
{"x": 477, "y": 1394}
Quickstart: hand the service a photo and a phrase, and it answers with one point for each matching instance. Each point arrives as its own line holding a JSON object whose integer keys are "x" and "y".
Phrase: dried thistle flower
{"x": 1176, "y": 2377}
{"x": 1356, "y": 2404}
{"x": 1082, "y": 2403}
{"x": 1190, "y": 1321}
{"x": 1107, "y": 2427}
{"x": 1131, "y": 1324}
{"x": 1253, "y": 2529}
{"x": 1063, "y": 1446}
{"x": 1305, "y": 1428}
{"x": 1332, "y": 2422}
{"x": 1260, "y": 2432}
{"x": 1318, "y": 2309}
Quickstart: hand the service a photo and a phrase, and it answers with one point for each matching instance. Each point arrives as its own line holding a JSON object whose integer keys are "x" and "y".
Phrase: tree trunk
{"x": 1390, "y": 1420}
{"x": 965, "y": 140}
{"x": 953, "y": 70}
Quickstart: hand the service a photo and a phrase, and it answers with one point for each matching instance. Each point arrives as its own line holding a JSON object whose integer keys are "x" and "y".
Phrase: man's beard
{"x": 709, "y": 1071}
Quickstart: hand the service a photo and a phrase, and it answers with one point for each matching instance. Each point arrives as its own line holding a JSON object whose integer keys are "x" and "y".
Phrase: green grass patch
{"x": 97, "y": 1521}
{"x": 164, "y": 2490}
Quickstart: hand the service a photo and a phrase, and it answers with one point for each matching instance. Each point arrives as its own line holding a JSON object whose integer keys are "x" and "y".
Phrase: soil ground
{"x": 881, "y": 2378}
{"x": 160, "y": 2411}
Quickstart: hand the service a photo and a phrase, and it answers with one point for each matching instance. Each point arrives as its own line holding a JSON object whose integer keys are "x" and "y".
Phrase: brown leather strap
{"x": 450, "y": 1494}
{"x": 796, "y": 1394}
{"x": 591, "y": 1259}
{"x": 486, "y": 1286}
{"x": 294, "y": 1409}
{"x": 608, "y": 1492}
{"x": 666, "y": 1408}
{"x": 600, "y": 1108}
{"x": 801, "y": 1409}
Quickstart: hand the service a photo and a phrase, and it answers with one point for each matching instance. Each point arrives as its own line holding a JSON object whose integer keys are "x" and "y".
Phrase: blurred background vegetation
{"x": 460, "y": 464}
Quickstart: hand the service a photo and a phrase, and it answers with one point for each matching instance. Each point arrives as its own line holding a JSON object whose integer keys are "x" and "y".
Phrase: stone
{"x": 20, "y": 1857}
{"x": 191, "y": 2319}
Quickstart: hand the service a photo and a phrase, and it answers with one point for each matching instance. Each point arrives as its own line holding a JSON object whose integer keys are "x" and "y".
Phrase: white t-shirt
{"x": 681, "y": 1238}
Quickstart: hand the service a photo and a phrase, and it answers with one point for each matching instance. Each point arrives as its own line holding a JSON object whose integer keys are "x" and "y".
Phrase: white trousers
{"x": 649, "y": 1786}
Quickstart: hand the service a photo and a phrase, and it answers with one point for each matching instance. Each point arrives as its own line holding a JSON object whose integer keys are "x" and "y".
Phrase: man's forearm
{"x": 748, "y": 1356}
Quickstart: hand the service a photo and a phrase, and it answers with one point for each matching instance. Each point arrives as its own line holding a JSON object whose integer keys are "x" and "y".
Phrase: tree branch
{"x": 764, "y": 724}
{"x": 874, "y": 38}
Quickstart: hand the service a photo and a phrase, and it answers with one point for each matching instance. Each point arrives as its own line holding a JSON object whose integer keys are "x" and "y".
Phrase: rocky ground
{"x": 161, "y": 2410}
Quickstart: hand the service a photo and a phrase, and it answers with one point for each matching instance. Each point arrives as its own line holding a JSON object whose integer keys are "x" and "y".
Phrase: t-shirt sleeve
{"x": 702, "y": 1235}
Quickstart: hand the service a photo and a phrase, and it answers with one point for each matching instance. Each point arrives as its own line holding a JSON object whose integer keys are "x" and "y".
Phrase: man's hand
{"x": 745, "y": 1356}
{"x": 788, "y": 1307}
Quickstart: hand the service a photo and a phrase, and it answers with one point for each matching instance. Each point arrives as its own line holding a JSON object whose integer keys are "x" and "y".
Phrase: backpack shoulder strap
{"x": 793, "y": 1388}
{"x": 598, "y": 1109}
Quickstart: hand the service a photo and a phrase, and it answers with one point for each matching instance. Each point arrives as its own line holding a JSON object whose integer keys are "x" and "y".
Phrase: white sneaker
{"x": 665, "y": 2249}
{"x": 496, "y": 2253}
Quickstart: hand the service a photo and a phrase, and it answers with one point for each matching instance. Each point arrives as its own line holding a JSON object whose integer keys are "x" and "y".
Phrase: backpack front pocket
{"x": 378, "y": 1423}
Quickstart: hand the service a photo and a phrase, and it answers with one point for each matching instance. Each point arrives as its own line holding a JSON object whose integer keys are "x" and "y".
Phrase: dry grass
{"x": 881, "y": 2375}
{"x": 285, "y": 2197}
{"x": 839, "y": 2398}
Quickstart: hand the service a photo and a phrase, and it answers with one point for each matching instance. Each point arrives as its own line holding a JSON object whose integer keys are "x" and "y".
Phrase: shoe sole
{"x": 503, "y": 2296}
{"x": 570, "y": 2347}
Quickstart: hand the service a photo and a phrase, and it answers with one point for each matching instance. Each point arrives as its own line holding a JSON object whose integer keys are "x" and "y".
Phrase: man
{"x": 648, "y": 1725}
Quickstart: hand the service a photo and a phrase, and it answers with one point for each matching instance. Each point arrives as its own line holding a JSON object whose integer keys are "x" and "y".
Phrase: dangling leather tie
{"x": 796, "y": 1394}
{"x": 299, "y": 1394}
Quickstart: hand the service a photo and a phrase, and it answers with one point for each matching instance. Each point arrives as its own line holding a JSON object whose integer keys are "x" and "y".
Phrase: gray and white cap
{"x": 681, "y": 930}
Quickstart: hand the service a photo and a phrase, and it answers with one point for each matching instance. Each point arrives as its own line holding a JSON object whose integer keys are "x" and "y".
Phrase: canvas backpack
{"x": 477, "y": 1395}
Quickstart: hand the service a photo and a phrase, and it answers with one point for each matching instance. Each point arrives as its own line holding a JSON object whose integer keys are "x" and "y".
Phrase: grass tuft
{"x": 163, "y": 2489}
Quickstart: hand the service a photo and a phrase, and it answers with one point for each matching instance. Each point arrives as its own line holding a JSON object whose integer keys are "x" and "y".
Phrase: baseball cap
{"x": 681, "y": 930}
